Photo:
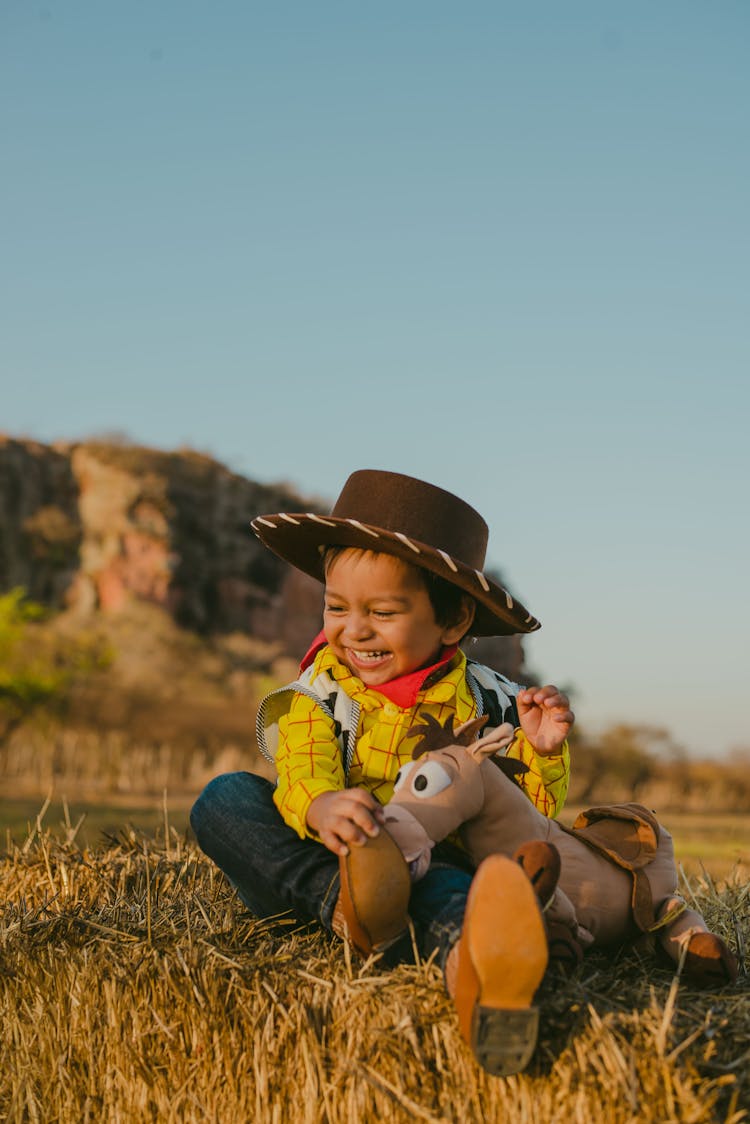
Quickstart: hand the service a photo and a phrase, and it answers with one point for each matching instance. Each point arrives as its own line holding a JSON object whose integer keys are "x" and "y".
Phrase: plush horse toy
{"x": 617, "y": 876}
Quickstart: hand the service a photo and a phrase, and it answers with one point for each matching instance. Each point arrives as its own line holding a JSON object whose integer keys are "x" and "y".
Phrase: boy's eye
{"x": 384, "y": 613}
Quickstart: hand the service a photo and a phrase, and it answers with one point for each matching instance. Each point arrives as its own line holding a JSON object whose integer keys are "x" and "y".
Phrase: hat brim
{"x": 301, "y": 537}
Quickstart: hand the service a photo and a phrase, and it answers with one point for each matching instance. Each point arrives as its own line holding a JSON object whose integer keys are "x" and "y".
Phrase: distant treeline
{"x": 643, "y": 764}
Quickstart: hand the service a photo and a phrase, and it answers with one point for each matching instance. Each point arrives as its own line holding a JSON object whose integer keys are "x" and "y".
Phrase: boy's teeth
{"x": 368, "y": 655}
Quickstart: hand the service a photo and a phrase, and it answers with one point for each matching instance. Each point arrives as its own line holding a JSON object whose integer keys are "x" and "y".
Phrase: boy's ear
{"x": 458, "y": 628}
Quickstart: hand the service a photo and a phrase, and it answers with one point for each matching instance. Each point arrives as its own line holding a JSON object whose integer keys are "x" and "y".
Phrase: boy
{"x": 401, "y": 561}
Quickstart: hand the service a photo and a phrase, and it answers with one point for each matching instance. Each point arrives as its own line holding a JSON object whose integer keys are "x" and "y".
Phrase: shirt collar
{"x": 403, "y": 690}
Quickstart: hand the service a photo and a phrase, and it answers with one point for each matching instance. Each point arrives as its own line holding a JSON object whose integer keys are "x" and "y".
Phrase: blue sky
{"x": 502, "y": 247}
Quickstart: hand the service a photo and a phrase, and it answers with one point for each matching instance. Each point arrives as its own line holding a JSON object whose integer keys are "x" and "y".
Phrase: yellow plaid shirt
{"x": 309, "y": 760}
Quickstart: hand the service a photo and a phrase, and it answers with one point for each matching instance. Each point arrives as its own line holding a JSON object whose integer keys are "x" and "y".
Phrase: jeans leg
{"x": 238, "y": 825}
{"x": 437, "y": 906}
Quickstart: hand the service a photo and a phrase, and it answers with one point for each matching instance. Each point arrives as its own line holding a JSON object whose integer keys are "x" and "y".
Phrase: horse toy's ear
{"x": 468, "y": 734}
{"x": 490, "y": 746}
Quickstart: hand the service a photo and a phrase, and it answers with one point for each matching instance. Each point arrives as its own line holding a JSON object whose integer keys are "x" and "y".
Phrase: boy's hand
{"x": 344, "y": 818}
{"x": 546, "y": 718}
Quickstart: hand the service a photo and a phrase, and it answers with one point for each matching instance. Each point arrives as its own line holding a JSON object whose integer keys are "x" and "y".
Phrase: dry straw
{"x": 136, "y": 988}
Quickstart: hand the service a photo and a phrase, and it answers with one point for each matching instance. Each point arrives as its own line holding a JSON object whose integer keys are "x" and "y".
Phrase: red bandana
{"x": 402, "y": 690}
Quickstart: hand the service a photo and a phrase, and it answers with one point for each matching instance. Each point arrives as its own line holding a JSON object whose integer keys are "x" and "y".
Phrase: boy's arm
{"x": 541, "y": 743}
{"x": 311, "y": 794}
{"x": 308, "y": 762}
{"x": 546, "y": 783}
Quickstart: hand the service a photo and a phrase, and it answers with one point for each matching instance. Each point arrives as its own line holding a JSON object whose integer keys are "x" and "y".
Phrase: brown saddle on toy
{"x": 627, "y": 835}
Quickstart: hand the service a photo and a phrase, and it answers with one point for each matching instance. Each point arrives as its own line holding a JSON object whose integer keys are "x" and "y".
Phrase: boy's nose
{"x": 359, "y": 626}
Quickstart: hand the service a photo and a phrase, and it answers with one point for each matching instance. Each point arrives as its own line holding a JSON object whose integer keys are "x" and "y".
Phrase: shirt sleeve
{"x": 546, "y": 783}
{"x": 308, "y": 762}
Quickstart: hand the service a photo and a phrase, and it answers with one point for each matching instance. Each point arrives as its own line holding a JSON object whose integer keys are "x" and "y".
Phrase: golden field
{"x": 135, "y": 987}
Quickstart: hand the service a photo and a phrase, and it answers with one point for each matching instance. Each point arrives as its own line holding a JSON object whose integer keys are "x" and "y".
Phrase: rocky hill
{"x": 90, "y": 527}
{"x": 94, "y": 527}
{"x": 151, "y": 553}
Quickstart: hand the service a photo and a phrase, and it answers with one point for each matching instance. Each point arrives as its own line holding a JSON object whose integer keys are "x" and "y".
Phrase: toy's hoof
{"x": 540, "y": 862}
{"x": 565, "y": 952}
{"x": 709, "y": 962}
{"x": 373, "y": 905}
{"x": 501, "y": 958}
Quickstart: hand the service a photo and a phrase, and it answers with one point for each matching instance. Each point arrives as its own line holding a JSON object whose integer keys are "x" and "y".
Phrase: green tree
{"x": 24, "y": 680}
{"x": 34, "y": 674}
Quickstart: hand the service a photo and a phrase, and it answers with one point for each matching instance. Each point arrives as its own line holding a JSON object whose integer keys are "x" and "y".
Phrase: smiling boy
{"x": 380, "y": 625}
{"x": 402, "y": 565}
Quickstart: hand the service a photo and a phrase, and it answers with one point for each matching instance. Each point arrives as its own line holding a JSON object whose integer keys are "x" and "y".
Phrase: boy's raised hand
{"x": 545, "y": 717}
{"x": 344, "y": 818}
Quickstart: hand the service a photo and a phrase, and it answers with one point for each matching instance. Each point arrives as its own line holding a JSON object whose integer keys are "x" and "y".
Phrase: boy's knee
{"x": 217, "y": 798}
{"x": 227, "y": 797}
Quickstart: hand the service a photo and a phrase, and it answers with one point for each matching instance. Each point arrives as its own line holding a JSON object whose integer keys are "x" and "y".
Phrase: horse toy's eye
{"x": 402, "y": 774}
{"x": 429, "y": 780}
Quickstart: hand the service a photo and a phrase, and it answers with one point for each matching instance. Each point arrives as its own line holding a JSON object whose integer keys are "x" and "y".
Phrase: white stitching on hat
{"x": 448, "y": 561}
{"x": 319, "y": 519}
{"x": 361, "y": 527}
{"x": 288, "y": 518}
{"x": 265, "y": 523}
{"x": 482, "y": 581}
{"x": 508, "y": 600}
{"x": 407, "y": 542}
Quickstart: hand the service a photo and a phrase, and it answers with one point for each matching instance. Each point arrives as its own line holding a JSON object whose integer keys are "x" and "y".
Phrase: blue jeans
{"x": 238, "y": 825}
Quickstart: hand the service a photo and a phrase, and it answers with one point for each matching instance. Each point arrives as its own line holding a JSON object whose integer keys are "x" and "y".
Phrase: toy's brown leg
{"x": 496, "y": 966}
{"x": 372, "y": 910}
{"x": 540, "y": 862}
{"x": 708, "y": 960}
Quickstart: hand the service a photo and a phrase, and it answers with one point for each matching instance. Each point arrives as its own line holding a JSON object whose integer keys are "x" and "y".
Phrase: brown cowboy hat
{"x": 422, "y": 524}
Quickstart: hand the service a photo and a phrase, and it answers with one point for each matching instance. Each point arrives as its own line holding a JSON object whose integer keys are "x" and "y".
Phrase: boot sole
{"x": 502, "y": 959}
{"x": 504, "y": 1042}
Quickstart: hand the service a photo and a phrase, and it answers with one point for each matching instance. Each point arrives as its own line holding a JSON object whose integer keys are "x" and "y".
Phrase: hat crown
{"x": 421, "y": 511}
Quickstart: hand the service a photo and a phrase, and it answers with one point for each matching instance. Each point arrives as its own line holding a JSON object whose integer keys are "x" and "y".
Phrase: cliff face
{"x": 40, "y": 526}
{"x": 93, "y": 526}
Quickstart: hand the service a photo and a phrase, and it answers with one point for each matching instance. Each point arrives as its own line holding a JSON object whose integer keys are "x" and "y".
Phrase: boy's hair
{"x": 446, "y": 599}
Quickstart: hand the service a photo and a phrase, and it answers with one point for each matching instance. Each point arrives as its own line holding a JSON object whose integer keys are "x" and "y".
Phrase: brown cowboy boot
{"x": 496, "y": 966}
{"x": 372, "y": 910}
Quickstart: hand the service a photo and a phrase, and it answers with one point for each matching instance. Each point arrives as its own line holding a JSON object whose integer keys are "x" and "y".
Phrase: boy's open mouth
{"x": 368, "y": 657}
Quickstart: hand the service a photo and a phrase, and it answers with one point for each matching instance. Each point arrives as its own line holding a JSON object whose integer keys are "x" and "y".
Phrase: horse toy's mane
{"x": 435, "y": 736}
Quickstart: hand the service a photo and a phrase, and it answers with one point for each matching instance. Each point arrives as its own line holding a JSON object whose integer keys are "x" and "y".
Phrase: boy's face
{"x": 378, "y": 617}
